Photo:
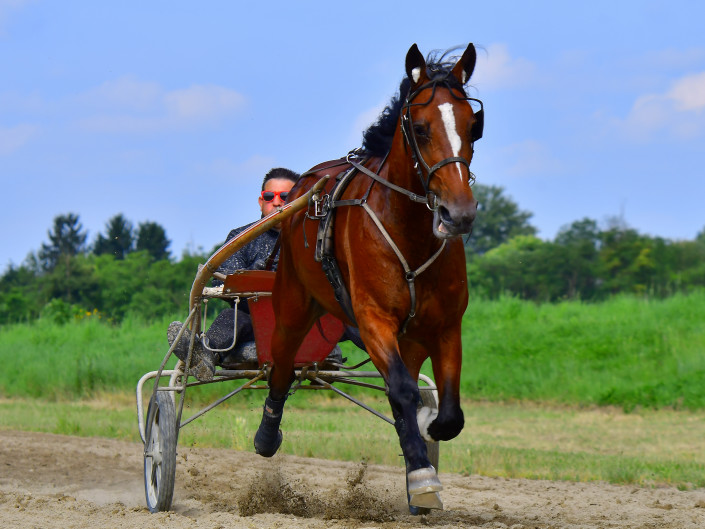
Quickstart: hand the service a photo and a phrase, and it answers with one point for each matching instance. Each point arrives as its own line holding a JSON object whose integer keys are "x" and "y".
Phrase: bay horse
{"x": 399, "y": 258}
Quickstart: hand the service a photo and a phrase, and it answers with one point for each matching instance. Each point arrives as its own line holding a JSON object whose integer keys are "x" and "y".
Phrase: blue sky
{"x": 172, "y": 111}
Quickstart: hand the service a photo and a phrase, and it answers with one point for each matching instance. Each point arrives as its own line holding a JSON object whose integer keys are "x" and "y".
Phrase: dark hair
{"x": 280, "y": 172}
{"x": 377, "y": 139}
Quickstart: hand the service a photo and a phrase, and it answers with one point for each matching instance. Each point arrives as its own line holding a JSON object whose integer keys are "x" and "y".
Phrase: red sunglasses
{"x": 268, "y": 196}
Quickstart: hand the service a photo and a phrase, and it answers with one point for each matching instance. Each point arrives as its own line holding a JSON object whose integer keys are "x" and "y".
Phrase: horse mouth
{"x": 445, "y": 227}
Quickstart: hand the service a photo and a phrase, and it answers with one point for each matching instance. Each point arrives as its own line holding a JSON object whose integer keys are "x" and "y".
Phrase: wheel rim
{"x": 153, "y": 462}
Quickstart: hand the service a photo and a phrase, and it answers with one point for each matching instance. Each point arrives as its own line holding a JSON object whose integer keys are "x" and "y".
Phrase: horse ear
{"x": 465, "y": 66}
{"x": 415, "y": 65}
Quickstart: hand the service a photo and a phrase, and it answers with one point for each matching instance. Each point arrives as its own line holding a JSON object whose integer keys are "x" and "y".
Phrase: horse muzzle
{"x": 451, "y": 221}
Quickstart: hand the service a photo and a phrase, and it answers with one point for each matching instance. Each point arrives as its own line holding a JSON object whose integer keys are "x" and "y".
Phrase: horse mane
{"x": 377, "y": 139}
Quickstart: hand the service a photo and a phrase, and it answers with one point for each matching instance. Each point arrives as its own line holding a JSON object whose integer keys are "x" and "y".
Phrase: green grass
{"x": 647, "y": 448}
{"x": 628, "y": 352}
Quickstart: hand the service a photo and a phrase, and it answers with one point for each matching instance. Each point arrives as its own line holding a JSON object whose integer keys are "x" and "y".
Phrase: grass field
{"x": 648, "y": 447}
{"x": 611, "y": 391}
{"x": 626, "y": 352}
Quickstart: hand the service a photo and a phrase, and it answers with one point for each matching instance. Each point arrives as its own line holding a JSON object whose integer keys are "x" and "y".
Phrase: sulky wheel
{"x": 160, "y": 453}
{"x": 429, "y": 400}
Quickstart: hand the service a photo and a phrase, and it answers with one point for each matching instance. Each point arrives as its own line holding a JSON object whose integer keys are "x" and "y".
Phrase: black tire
{"x": 432, "y": 450}
{"x": 160, "y": 453}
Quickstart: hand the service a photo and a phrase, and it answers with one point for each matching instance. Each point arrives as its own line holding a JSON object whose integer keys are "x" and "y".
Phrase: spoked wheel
{"x": 432, "y": 450}
{"x": 160, "y": 453}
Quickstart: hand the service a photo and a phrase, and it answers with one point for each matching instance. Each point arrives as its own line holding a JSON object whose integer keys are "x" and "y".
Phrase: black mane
{"x": 377, "y": 139}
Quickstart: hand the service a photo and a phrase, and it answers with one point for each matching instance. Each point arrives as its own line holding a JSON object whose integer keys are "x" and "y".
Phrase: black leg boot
{"x": 269, "y": 437}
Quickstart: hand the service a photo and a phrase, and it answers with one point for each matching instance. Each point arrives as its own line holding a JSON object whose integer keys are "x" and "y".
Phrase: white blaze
{"x": 416, "y": 74}
{"x": 453, "y": 137}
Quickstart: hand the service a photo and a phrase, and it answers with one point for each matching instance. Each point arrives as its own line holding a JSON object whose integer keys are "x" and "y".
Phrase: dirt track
{"x": 52, "y": 481}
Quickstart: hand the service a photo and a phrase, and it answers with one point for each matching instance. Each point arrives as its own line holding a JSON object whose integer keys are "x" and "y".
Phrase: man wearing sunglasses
{"x": 275, "y": 188}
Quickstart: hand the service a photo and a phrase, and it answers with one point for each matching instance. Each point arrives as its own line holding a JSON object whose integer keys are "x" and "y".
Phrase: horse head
{"x": 440, "y": 128}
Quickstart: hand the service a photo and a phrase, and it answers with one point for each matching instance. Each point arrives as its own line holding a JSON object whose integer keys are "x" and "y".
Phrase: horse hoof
{"x": 428, "y": 500}
{"x": 265, "y": 446}
{"x": 423, "y": 481}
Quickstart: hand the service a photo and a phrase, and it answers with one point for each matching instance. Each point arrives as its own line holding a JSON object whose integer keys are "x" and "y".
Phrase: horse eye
{"x": 421, "y": 132}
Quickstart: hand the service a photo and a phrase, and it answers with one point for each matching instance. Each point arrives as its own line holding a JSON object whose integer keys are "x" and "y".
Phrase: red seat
{"x": 257, "y": 286}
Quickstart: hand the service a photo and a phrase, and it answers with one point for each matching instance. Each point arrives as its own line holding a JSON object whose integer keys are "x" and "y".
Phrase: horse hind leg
{"x": 269, "y": 437}
{"x": 290, "y": 330}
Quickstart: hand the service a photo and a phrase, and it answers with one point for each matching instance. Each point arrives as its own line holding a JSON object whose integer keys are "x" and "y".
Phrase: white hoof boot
{"x": 423, "y": 480}
{"x": 429, "y": 500}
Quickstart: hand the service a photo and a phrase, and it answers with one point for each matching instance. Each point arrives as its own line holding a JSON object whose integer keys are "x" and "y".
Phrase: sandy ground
{"x": 53, "y": 481}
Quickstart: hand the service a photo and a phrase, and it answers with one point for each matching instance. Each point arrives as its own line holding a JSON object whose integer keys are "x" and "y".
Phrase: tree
{"x": 498, "y": 219}
{"x": 66, "y": 241}
{"x": 152, "y": 238}
{"x": 700, "y": 237}
{"x": 627, "y": 261}
{"x": 578, "y": 245}
{"x": 523, "y": 266}
{"x": 19, "y": 299}
{"x": 119, "y": 239}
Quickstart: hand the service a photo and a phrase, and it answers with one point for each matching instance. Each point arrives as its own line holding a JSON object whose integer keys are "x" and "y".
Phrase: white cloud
{"x": 128, "y": 105}
{"x": 679, "y": 111}
{"x": 13, "y": 138}
{"x": 497, "y": 69}
{"x": 688, "y": 93}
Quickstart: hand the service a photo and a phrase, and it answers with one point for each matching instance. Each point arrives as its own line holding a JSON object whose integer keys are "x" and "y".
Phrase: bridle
{"x": 407, "y": 129}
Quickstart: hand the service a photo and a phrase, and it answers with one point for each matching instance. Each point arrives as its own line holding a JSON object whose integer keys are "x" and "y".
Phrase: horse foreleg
{"x": 403, "y": 394}
{"x": 446, "y": 361}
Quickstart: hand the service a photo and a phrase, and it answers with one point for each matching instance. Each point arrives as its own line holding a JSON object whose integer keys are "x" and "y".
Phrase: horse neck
{"x": 400, "y": 165}
{"x": 413, "y": 219}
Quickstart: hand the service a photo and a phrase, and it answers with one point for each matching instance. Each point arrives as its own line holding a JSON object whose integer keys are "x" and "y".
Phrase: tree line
{"x": 128, "y": 270}
{"x": 124, "y": 270}
{"x": 584, "y": 261}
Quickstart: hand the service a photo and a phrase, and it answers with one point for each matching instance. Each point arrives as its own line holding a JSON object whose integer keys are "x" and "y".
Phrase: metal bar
{"x": 354, "y": 400}
{"x": 354, "y": 382}
{"x": 187, "y": 363}
{"x": 205, "y": 410}
{"x": 140, "y": 404}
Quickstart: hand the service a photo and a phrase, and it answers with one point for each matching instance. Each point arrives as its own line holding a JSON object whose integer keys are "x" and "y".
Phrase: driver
{"x": 275, "y": 188}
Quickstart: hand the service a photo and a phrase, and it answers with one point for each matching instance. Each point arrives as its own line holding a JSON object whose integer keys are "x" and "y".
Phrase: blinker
{"x": 479, "y": 125}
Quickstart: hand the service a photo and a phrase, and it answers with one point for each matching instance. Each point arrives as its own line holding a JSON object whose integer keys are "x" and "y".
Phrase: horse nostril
{"x": 445, "y": 216}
